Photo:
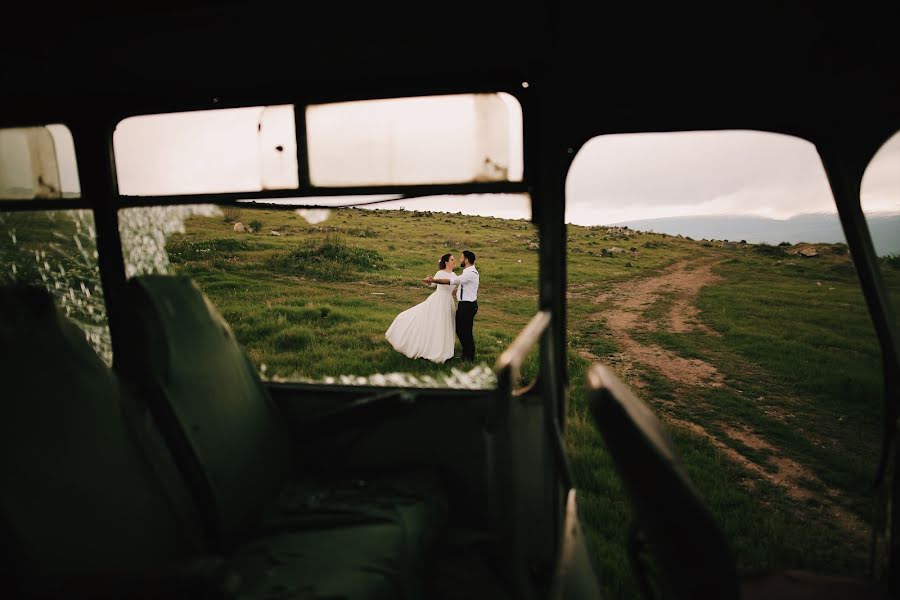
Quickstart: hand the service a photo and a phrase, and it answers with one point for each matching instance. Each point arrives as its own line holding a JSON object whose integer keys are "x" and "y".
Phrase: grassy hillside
{"x": 780, "y": 434}
{"x": 762, "y": 362}
{"x": 314, "y": 301}
{"x": 782, "y": 443}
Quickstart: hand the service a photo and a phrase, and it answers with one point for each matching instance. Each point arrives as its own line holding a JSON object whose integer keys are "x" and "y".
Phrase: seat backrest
{"x": 690, "y": 551}
{"x": 78, "y": 496}
{"x": 212, "y": 408}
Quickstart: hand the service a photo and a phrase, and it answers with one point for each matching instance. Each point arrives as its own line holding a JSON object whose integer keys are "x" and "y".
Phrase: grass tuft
{"x": 769, "y": 250}
{"x": 183, "y": 250}
{"x": 231, "y": 214}
{"x": 328, "y": 260}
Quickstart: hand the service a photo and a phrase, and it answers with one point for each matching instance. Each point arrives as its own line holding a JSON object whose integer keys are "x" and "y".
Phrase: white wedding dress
{"x": 427, "y": 330}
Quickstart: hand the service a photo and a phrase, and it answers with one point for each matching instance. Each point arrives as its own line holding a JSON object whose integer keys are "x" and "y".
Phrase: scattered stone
{"x": 275, "y": 232}
{"x": 239, "y": 227}
{"x": 533, "y": 246}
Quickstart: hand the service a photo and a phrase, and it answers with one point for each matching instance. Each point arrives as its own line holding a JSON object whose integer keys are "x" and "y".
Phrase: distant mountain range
{"x": 812, "y": 228}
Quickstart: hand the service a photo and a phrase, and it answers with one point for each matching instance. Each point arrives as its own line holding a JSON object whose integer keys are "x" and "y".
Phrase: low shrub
{"x": 328, "y": 260}
{"x": 769, "y": 250}
{"x": 231, "y": 214}
{"x": 292, "y": 338}
{"x": 891, "y": 261}
{"x": 181, "y": 250}
{"x": 366, "y": 232}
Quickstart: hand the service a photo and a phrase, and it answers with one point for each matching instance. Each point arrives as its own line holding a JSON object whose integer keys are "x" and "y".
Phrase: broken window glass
{"x": 312, "y": 298}
{"x": 37, "y": 163}
{"x": 145, "y": 231}
{"x": 57, "y": 250}
{"x": 229, "y": 150}
{"x": 407, "y": 141}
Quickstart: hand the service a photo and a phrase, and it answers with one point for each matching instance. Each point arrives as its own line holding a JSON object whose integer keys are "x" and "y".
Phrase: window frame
{"x": 305, "y": 189}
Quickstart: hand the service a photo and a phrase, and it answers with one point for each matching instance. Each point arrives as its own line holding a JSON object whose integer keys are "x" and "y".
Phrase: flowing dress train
{"x": 428, "y": 329}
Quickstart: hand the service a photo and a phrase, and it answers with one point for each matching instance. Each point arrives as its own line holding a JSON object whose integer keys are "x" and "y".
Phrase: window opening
{"x": 709, "y": 270}
{"x": 462, "y": 139}
{"x": 407, "y": 141}
{"x": 38, "y": 163}
{"x": 229, "y": 150}
{"x": 312, "y": 295}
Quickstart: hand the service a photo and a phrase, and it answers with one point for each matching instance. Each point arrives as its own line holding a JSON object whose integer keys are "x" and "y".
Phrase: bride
{"x": 428, "y": 330}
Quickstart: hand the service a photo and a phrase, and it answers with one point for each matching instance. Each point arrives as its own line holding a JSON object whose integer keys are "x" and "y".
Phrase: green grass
{"x": 795, "y": 348}
{"x": 56, "y": 250}
{"x": 315, "y": 300}
{"x": 327, "y": 260}
{"x": 793, "y": 344}
{"x": 802, "y": 370}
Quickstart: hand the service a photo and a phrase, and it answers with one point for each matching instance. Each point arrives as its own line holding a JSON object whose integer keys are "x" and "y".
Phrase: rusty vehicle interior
{"x": 173, "y": 470}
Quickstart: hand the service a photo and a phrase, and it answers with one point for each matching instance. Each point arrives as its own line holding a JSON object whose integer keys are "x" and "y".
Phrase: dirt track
{"x": 682, "y": 280}
{"x": 681, "y": 283}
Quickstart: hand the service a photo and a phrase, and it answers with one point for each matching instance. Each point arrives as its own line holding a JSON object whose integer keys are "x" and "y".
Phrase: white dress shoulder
{"x": 427, "y": 330}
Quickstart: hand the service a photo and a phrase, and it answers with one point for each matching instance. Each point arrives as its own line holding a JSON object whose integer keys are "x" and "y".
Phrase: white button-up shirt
{"x": 467, "y": 282}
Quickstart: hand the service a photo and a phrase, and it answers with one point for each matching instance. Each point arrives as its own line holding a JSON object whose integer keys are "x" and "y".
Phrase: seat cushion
{"x": 351, "y": 563}
{"x": 418, "y": 500}
{"x": 353, "y": 538}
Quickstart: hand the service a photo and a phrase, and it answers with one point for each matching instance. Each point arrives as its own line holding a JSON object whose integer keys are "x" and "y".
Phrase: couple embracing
{"x": 427, "y": 330}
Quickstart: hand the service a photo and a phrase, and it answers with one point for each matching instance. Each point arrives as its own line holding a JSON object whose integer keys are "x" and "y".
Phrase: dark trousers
{"x": 465, "y": 317}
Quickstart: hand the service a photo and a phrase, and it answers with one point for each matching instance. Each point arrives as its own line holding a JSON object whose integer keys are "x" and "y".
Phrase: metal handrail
{"x": 510, "y": 362}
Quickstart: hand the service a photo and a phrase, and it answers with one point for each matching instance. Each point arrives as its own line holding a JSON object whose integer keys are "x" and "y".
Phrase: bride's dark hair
{"x": 444, "y": 260}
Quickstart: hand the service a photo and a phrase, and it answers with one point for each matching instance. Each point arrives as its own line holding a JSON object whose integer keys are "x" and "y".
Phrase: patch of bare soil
{"x": 788, "y": 474}
{"x": 682, "y": 281}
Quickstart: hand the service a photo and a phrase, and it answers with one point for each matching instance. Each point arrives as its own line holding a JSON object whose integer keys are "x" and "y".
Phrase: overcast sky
{"x": 618, "y": 178}
{"x": 613, "y": 178}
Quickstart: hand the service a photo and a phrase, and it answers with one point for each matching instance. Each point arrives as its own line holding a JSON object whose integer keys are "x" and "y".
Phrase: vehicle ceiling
{"x": 798, "y": 67}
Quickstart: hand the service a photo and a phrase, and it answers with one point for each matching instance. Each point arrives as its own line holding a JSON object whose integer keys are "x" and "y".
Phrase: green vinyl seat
{"x": 367, "y": 560}
{"x": 80, "y": 499}
{"x": 231, "y": 443}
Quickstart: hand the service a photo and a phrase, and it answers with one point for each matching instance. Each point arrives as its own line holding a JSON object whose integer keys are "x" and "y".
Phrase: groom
{"x": 467, "y": 294}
